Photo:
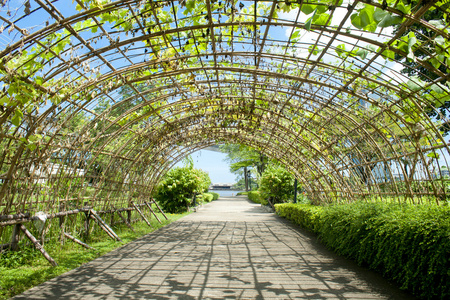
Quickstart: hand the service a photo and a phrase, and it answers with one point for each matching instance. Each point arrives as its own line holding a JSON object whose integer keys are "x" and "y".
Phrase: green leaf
{"x": 404, "y": 9}
{"x": 362, "y": 53}
{"x": 435, "y": 62}
{"x": 437, "y": 23}
{"x": 340, "y": 50}
{"x": 385, "y": 19}
{"x": 309, "y": 21}
{"x": 440, "y": 40}
{"x": 295, "y": 34}
{"x": 34, "y": 138}
{"x": 415, "y": 84}
{"x": 321, "y": 19}
{"x": 356, "y": 21}
{"x": 314, "y": 50}
{"x": 39, "y": 80}
{"x": 366, "y": 16}
{"x": 372, "y": 27}
{"x": 17, "y": 117}
{"x": 433, "y": 155}
{"x": 190, "y": 4}
{"x": 31, "y": 146}
{"x": 307, "y": 9}
{"x": 437, "y": 88}
{"x": 4, "y": 100}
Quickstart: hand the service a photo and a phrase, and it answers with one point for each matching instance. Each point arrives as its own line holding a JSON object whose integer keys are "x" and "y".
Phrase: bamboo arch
{"x": 100, "y": 99}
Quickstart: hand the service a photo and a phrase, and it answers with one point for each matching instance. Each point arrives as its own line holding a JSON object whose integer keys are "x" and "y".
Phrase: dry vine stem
{"x": 101, "y": 99}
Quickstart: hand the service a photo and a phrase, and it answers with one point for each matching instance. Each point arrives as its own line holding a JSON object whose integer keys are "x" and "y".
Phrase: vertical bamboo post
{"x": 86, "y": 224}
{"x": 62, "y": 221}
{"x": 38, "y": 246}
{"x": 125, "y": 220}
{"x": 129, "y": 214}
{"x": 111, "y": 222}
{"x": 295, "y": 190}
{"x": 15, "y": 237}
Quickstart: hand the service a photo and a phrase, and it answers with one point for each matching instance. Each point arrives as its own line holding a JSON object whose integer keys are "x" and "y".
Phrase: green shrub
{"x": 305, "y": 215}
{"x": 409, "y": 244}
{"x": 215, "y": 195}
{"x": 255, "y": 196}
{"x": 277, "y": 184}
{"x": 176, "y": 190}
{"x": 242, "y": 193}
{"x": 206, "y": 197}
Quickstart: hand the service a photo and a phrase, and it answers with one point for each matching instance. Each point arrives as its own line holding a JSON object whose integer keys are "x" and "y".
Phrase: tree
{"x": 243, "y": 159}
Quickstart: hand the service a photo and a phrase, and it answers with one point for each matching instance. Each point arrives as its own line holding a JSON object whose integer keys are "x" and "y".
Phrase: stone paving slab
{"x": 229, "y": 249}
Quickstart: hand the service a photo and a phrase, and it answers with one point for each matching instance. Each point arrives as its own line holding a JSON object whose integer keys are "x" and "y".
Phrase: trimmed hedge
{"x": 215, "y": 195}
{"x": 256, "y": 197}
{"x": 409, "y": 244}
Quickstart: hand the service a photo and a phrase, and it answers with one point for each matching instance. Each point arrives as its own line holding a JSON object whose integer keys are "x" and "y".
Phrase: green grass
{"x": 21, "y": 270}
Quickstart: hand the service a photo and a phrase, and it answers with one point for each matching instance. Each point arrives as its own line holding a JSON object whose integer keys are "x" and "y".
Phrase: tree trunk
{"x": 246, "y": 179}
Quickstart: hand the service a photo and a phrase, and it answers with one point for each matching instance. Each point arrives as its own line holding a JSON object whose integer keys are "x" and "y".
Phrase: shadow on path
{"x": 245, "y": 254}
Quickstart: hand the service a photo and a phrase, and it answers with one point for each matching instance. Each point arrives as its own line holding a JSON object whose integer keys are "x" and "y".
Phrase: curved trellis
{"x": 100, "y": 99}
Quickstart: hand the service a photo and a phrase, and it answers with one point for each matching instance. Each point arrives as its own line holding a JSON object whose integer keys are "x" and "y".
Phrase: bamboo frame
{"x": 115, "y": 104}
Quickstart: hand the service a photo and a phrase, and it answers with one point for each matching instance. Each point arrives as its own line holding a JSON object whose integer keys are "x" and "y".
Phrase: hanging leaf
{"x": 385, "y": 19}
{"x": 190, "y": 4}
{"x": 307, "y": 9}
{"x": 362, "y": 53}
{"x": 340, "y": 50}
{"x": 356, "y": 21}
{"x": 32, "y": 146}
{"x": 321, "y": 19}
{"x": 309, "y": 21}
{"x": 433, "y": 155}
{"x": 17, "y": 117}
{"x": 415, "y": 83}
{"x": 295, "y": 34}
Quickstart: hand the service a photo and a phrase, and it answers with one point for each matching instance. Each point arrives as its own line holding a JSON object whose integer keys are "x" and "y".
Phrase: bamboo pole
{"x": 150, "y": 207}
{"x": 7, "y": 220}
{"x": 125, "y": 221}
{"x": 159, "y": 208}
{"x": 62, "y": 222}
{"x": 103, "y": 227}
{"x": 15, "y": 237}
{"x": 86, "y": 225}
{"x": 100, "y": 221}
{"x": 78, "y": 241}
{"x": 37, "y": 245}
{"x": 142, "y": 215}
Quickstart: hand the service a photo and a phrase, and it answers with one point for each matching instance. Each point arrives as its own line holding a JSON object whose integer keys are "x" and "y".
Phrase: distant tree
{"x": 241, "y": 157}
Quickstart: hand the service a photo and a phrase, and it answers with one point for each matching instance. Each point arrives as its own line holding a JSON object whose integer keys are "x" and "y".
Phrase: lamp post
{"x": 295, "y": 190}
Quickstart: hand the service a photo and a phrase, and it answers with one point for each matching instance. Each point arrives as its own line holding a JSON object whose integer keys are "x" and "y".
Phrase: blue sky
{"x": 214, "y": 163}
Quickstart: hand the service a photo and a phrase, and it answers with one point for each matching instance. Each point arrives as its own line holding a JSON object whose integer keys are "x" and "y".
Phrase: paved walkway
{"x": 230, "y": 249}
